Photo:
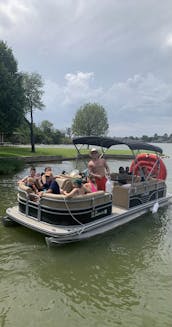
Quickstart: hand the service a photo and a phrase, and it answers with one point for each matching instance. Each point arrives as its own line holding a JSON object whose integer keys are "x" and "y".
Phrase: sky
{"x": 117, "y": 53}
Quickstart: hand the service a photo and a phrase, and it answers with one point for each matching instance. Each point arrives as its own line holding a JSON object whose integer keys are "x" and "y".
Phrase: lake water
{"x": 122, "y": 278}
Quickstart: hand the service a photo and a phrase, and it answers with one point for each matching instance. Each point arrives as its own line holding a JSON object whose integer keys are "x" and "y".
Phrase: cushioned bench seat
{"x": 60, "y": 200}
{"x": 81, "y": 201}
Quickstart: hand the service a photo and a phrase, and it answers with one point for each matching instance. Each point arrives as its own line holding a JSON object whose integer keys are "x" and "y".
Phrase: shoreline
{"x": 31, "y": 159}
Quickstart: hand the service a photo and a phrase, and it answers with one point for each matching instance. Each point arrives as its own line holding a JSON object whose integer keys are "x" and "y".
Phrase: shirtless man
{"x": 33, "y": 177}
{"x": 99, "y": 169}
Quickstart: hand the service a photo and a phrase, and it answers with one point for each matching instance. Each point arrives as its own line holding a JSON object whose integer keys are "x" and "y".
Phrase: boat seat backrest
{"x": 65, "y": 183}
{"x": 79, "y": 202}
{"x": 114, "y": 177}
{"x": 26, "y": 192}
{"x": 23, "y": 187}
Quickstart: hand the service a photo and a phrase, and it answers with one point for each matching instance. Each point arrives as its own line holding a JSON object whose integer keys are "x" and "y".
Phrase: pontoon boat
{"x": 64, "y": 220}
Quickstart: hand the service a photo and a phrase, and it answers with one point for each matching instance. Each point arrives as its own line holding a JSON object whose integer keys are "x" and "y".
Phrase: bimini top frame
{"x": 107, "y": 142}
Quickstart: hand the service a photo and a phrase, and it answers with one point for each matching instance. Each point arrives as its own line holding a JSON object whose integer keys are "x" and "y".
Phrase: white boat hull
{"x": 65, "y": 234}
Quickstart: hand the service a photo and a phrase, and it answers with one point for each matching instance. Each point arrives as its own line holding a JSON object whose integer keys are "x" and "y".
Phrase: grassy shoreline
{"x": 12, "y": 159}
{"x": 63, "y": 152}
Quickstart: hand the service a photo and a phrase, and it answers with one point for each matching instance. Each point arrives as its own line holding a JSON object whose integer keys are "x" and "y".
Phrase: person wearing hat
{"x": 53, "y": 188}
{"x": 98, "y": 168}
{"x": 78, "y": 189}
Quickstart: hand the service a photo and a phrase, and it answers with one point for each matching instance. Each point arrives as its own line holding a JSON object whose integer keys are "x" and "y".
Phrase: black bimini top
{"x": 107, "y": 142}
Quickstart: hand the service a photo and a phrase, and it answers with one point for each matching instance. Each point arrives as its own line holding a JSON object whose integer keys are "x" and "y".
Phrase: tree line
{"x": 21, "y": 95}
{"x": 165, "y": 138}
{"x": 45, "y": 133}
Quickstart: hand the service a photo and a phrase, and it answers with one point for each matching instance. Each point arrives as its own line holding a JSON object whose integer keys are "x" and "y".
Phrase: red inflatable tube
{"x": 153, "y": 164}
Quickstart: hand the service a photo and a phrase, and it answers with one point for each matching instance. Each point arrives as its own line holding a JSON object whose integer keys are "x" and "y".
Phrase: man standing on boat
{"x": 98, "y": 168}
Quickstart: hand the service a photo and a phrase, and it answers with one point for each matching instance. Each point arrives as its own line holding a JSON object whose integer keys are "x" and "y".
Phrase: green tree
{"x": 11, "y": 92}
{"x": 68, "y": 132}
{"x": 21, "y": 135}
{"x": 46, "y": 127}
{"x": 47, "y": 134}
{"x": 165, "y": 137}
{"x": 90, "y": 119}
{"x": 47, "y": 130}
{"x": 32, "y": 84}
{"x": 145, "y": 138}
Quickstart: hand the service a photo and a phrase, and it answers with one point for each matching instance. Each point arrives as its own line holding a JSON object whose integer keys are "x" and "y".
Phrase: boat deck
{"x": 49, "y": 229}
{"x": 35, "y": 224}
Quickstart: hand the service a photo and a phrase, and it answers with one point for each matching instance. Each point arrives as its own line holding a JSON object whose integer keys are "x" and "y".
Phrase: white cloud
{"x": 137, "y": 104}
{"x": 79, "y": 89}
{"x": 143, "y": 95}
{"x": 168, "y": 41}
{"x": 13, "y": 11}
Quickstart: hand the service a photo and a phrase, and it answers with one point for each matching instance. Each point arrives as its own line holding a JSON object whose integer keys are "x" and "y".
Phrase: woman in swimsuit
{"x": 79, "y": 189}
{"x": 91, "y": 184}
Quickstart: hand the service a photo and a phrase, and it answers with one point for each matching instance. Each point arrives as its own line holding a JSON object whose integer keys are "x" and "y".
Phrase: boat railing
{"x": 29, "y": 199}
{"x": 140, "y": 192}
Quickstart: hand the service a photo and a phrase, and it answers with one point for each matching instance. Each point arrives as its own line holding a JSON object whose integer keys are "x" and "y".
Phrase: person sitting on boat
{"x": 98, "y": 168}
{"x": 31, "y": 183}
{"x": 82, "y": 175}
{"x": 34, "y": 176}
{"x": 47, "y": 178}
{"x": 91, "y": 184}
{"x": 127, "y": 171}
{"x": 79, "y": 189}
{"x": 122, "y": 176}
{"x": 53, "y": 188}
{"x": 143, "y": 174}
